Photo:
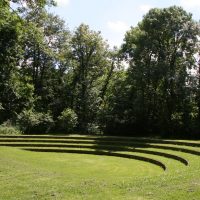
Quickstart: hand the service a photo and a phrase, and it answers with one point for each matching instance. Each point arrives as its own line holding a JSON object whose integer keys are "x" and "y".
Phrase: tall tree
{"x": 45, "y": 39}
{"x": 161, "y": 52}
{"x": 89, "y": 53}
{"x": 15, "y": 92}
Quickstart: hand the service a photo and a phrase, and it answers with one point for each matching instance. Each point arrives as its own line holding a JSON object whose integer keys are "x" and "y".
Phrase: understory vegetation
{"x": 53, "y": 80}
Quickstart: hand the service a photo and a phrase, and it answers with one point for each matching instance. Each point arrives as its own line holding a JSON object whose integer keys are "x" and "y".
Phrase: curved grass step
{"x": 97, "y": 143}
{"x": 181, "y": 143}
{"x": 100, "y": 147}
{"x": 80, "y": 151}
{"x": 68, "y": 141}
{"x": 179, "y": 149}
{"x": 103, "y": 139}
{"x": 102, "y": 142}
{"x": 89, "y": 140}
{"x": 166, "y": 155}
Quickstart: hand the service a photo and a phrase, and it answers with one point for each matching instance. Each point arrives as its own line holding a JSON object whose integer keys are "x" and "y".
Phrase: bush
{"x": 68, "y": 120}
{"x": 93, "y": 128}
{"x": 1, "y": 107}
{"x": 35, "y": 122}
{"x": 8, "y": 129}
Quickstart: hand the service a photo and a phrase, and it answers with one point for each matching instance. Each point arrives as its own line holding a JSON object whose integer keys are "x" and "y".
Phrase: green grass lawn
{"x": 28, "y": 175}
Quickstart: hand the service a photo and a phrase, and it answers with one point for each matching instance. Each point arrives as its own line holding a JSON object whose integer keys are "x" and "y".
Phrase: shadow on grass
{"x": 110, "y": 146}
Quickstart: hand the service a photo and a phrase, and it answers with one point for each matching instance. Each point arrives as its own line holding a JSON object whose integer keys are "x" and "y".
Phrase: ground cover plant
{"x": 89, "y": 167}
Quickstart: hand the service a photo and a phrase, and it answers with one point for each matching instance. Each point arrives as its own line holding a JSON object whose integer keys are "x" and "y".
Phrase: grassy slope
{"x": 31, "y": 175}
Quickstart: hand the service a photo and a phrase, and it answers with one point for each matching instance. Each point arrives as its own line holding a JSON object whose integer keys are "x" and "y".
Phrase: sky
{"x": 114, "y": 17}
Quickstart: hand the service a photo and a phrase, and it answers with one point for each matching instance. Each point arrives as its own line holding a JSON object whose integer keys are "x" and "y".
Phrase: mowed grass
{"x": 40, "y": 175}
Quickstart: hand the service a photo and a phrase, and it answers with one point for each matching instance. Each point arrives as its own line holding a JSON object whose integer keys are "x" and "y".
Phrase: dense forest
{"x": 53, "y": 80}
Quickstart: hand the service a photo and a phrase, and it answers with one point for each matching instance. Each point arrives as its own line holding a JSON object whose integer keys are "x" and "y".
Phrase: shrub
{"x": 93, "y": 128}
{"x": 46, "y": 123}
{"x": 8, "y": 129}
{"x": 35, "y": 122}
{"x": 68, "y": 120}
{"x": 1, "y": 107}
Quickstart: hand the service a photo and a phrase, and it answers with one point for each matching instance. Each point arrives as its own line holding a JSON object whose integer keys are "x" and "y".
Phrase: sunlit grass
{"x": 41, "y": 175}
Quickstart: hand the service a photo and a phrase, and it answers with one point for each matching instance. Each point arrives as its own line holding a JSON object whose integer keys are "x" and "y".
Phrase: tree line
{"x": 53, "y": 80}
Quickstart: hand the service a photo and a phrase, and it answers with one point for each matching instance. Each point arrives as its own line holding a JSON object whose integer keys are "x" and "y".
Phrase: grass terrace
{"x": 89, "y": 167}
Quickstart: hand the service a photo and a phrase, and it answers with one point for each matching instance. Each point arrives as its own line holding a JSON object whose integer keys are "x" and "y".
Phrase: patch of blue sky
{"x": 114, "y": 17}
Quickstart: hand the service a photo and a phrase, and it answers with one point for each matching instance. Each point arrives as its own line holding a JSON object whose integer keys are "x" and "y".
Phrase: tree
{"x": 45, "y": 39}
{"x": 89, "y": 56}
{"x": 15, "y": 92}
{"x": 161, "y": 52}
{"x": 32, "y": 4}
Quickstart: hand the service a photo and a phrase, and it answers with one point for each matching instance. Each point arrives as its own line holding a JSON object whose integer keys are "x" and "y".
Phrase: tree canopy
{"x": 54, "y": 79}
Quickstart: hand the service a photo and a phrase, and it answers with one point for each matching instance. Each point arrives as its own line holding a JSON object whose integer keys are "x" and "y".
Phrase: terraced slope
{"x": 167, "y": 154}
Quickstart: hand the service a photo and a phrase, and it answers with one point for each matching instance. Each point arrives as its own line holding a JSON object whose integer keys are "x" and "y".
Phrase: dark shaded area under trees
{"x": 53, "y": 80}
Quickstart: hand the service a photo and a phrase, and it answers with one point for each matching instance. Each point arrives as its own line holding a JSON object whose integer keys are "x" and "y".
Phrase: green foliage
{"x": 89, "y": 54}
{"x": 67, "y": 121}
{"x": 34, "y": 122}
{"x": 8, "y": 129}
{"x": 161, "y": 54}
{"x": 17, "y": 96}
{"x": 46, "y": 68}
{"x": 94, "y": 128}
{"x": 33, "y": 4}
{"x": 45, "y": 40}
{"x": 15, "y": 93}
{"x": 1, "y": 107}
